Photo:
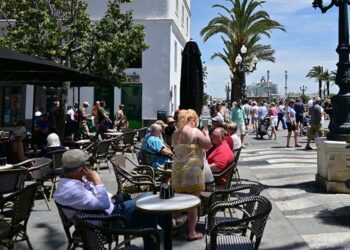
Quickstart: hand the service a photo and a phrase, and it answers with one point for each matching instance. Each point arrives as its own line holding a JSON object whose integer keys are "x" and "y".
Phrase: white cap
{"x": 74, "y": 158}
{"x": 86, "y": 103}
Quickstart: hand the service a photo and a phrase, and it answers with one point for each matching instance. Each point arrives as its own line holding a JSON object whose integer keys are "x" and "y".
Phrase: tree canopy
{"x": 241, "y": 24}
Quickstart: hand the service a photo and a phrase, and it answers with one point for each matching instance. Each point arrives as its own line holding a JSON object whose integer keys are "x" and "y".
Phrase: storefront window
{"x": 12, "y": 111}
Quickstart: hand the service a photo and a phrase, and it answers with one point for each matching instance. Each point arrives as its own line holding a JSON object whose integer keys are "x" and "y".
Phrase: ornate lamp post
{"x": 303, "y": 89}
{"x": 243, "y": 66}
{"x": 340, "y": 124}
{"x": 285, "y": 83}
{"x": 227, "y": 90}
{"x": 268, "y": 85}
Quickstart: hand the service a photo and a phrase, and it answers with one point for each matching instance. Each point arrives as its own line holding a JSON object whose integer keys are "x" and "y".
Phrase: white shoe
{"x": 243, "y": 146}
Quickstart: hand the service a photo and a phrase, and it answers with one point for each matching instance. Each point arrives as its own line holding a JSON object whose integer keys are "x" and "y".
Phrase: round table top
{"x": 7, "y": 166}
{"x": 82, "y": 141}
{"x": 179, "y": 203}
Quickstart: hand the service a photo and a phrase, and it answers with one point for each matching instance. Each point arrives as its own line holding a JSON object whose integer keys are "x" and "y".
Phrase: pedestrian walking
{"x": 316, "y": 114}
{"x": 272, "y": 113}
{"x": 280, "y": 115}
{"x": 291, "y": 124}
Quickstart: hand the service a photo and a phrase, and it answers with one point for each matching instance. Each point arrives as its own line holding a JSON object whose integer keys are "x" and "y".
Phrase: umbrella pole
{"x": 33, "y": 117}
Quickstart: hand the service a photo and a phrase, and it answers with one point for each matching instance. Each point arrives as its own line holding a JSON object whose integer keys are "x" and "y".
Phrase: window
{"x": 175, "y": 56}
{"x": 183, "y": 16}
{"x": 177, "y": 7}
{"x": 136, "y": 62}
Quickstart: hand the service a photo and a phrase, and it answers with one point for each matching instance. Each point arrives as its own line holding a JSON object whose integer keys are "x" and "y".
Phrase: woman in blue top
{"x": 291, "y": 123}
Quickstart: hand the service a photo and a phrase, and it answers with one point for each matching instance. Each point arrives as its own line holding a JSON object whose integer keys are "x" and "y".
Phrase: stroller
{"x": 263, "y": 127}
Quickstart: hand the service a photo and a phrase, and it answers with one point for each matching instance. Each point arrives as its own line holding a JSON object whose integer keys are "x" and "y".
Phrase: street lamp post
{"x": 285, "y": 83}
{"x": 244, "y": 66}
{"x": 227, "y": 90}
{"x": 303, "y": 89}
{"x": 339, "y": 126}
{"x": 268, "y": 86}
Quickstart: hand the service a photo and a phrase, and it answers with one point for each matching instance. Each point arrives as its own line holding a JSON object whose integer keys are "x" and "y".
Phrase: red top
{"x": 229, "y": 141}
{"x": 272, "y": 112}
{"x": 222, "y": 156}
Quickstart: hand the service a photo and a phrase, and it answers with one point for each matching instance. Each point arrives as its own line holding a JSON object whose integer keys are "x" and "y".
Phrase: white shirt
{"x": 71, "y": 113}
{"x": 236, "y": 141}
{"x": 82, "y": 195}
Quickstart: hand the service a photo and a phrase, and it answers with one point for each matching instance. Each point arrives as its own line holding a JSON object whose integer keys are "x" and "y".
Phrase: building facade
{"x": 154, "y": 85}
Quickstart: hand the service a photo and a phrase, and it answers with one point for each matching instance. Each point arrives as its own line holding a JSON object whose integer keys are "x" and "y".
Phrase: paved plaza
{"x": 303, "y": 216}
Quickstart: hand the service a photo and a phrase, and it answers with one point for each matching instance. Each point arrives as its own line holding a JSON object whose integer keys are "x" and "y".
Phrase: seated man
{"x": 82, "y": 189}
{"x": 154, "y": 149}
{"x": 220, "y": 155}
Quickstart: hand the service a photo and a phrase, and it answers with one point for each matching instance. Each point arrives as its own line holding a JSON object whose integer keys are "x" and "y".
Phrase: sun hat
{"x": 161, "y": 123}
{"x": 20, "y": 130}
{"x": 170, "y": 119}
{"x": 218, "y": 119}
{"x": 74, "y": 158}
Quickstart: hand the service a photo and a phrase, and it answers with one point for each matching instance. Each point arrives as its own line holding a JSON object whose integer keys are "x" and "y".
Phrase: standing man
{"x": 238, "y": 116}
{"x": 246, "y": 109}
{"x": 299, "y": 114}
{"x": 82, "y": 116}
{"x": 316, "y": 127}
{"x": 54, "y": 116}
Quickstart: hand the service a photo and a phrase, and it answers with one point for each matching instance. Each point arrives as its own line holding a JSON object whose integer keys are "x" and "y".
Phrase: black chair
{"x": 247, "y": 231}
{"x": 236, "y": 192}
{"x": 12, "y": 180}
{"x": 15, "y": 229}
{"x": 141, "y": 133}
{"x": 74, "y": 238}
{"x": 127, "y": 142}
{"x": 40, "y": 171}
{"x": 204, "y": 196}
{"x": 236, "y": 172}
{"x": 131, "y": 182}
{"x": 100, "y": 153}
{"x": 94, "y": 236}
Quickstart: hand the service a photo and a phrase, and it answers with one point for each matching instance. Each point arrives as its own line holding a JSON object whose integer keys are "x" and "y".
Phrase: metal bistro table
{"x": 179, "y": 203}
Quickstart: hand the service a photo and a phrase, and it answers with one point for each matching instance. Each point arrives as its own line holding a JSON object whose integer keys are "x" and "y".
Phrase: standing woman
{"x": 188, "y": 174}
{"x": 272, "y": 113}
{"x": 291, "y": 123}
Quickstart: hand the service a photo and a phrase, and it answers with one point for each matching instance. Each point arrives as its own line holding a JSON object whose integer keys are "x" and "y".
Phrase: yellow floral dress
{"x": 188, "y": 173}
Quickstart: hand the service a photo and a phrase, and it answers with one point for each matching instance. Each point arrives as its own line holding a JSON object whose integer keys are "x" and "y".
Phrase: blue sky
{"x": 310, "y": 40}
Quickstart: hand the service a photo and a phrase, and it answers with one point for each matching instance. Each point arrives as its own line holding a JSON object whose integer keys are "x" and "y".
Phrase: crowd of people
{"x": 297, "y": 118}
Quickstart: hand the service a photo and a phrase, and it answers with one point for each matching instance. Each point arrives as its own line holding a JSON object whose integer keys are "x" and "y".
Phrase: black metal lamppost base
{"x": 339, "y": 126}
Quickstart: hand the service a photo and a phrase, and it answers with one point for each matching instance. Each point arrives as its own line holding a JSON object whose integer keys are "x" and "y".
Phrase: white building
{"x": 155, "y": 82}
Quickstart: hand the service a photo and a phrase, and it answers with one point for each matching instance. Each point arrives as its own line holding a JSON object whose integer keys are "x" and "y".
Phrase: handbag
{"x": 208, "y": 174}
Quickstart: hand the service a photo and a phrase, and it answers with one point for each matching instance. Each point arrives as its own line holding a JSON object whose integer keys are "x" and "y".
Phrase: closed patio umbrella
{"x": 191, "y": 85}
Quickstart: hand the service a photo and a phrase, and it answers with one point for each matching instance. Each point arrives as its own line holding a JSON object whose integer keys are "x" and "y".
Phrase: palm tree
{"x": 242, "y": 24}
{"x": 329, "y": 77}
{"x": 318, "y": 74}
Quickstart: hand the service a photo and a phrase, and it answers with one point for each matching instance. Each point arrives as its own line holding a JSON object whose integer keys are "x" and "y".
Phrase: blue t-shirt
{"x": 299, "y": 108}
{"x": 154, "y": 145}
{"x": 262, "y": 112}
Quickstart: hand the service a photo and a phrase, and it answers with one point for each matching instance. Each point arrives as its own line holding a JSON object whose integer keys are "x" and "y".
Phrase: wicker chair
{"x": 41, "y": 171}
{"x": 236, "y": 172}
{"x": 74, "y": 238}
{"x": 101, "y": 153}
{"x": 93, "y": 236}
{"x": 57, "y": 165}
{"x": 12, "y": 180}
{"x": 15, "y": 229}
{"x": 129, "y": 181}
{"x": 204, "y": 196}
{"x": 235, "y": 192}
{"x": 127, "y": 142}
{"x": 141, "y": 133}
{"x": 248, "y": 230}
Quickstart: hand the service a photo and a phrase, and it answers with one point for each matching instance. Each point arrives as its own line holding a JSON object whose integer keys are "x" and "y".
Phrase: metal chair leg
{"x": 47, "y": 202}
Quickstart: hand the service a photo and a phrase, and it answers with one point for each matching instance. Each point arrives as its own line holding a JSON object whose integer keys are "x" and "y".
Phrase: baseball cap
{"x": 86, "y": 103}
{"x": 218, "y": 119}
{"x": 74, "y": 158}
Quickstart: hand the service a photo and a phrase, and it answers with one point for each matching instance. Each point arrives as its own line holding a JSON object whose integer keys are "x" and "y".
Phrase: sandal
{"x": 298, "y": 146}
{"x": 199, "y": 236}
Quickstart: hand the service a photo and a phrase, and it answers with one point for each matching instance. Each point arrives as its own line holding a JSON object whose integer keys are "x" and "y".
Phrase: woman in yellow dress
{"x": 188, "y": 175}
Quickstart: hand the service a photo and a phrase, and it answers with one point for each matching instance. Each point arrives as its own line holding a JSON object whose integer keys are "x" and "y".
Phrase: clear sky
{"x": 310, "y": 40}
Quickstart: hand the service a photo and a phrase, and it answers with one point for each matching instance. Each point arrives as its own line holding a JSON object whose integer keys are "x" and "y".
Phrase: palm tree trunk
{"x": 327, "y": 88}
{"x": 320, "y": 88}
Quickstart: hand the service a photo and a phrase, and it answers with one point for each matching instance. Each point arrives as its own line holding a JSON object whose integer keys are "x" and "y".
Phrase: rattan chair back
{"x": 12, "y": 180}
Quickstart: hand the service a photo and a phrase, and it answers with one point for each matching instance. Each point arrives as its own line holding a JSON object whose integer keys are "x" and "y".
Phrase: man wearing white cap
{"x": 82, "y": 189}
{"x": 82, "y": 116}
